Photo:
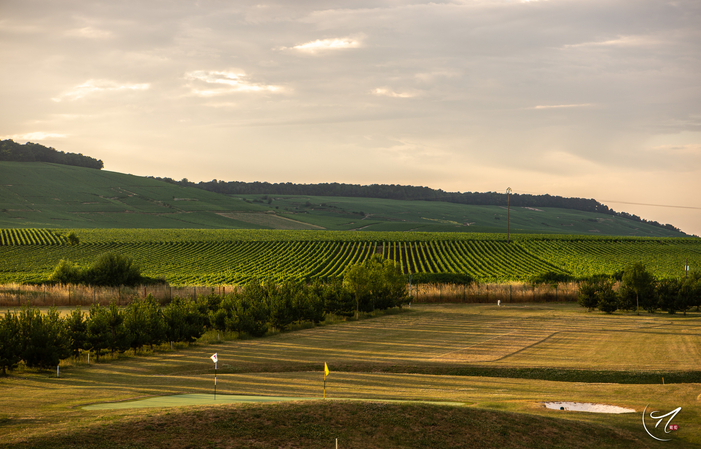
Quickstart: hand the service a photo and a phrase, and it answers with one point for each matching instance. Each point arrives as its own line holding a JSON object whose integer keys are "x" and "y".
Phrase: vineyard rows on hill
{"x": 193, "y": 257}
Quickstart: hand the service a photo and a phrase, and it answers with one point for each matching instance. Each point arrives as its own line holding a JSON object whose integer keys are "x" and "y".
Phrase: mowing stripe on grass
{"x": 179, "y": 400}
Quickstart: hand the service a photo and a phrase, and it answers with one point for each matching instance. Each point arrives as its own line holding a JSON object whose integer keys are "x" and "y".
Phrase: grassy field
{"x": 404, "y": 356}
{"x": 42, "y": 195}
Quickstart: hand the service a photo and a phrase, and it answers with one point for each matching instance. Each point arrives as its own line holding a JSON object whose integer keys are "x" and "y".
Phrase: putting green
{"x": 179, "y": 400}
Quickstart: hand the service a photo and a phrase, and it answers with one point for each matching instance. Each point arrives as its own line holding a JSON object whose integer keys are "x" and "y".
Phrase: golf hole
{"x": 587, "y": 407}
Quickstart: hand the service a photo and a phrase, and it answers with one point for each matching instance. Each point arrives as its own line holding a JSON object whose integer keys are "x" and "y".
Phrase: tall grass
{"x": 82, "y": 295}
{"x": 491, "y": 293}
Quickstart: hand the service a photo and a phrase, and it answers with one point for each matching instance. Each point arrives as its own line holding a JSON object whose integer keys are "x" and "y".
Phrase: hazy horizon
{"x": 590, "y": 99}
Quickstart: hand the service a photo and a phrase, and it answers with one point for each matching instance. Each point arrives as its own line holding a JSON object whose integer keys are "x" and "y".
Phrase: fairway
{"x": 518, "y": 353}
{"x": 181, "y": 400}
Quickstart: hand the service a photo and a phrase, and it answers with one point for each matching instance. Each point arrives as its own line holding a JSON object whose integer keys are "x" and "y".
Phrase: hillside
{"x": 40, "y": 195}
{"x": 44, "y": 195}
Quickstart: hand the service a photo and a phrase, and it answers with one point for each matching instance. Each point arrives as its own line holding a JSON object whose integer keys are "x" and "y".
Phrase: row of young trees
{"x": 42, "y": 340}
{"x": 640, "y": 290}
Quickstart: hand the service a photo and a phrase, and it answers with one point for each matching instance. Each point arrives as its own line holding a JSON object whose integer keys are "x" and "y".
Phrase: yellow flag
{"x": 326, "y": 369}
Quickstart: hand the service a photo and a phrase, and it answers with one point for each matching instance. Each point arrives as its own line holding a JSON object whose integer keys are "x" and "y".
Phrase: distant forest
{"x": 34, "y": 152}
{"x": 399, "y": 192}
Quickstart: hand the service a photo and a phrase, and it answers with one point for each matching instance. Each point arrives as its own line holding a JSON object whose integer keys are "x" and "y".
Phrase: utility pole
{"x": 508, "y": 193}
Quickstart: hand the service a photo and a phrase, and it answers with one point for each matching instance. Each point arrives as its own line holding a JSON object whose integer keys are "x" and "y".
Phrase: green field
{"x": 416, "y": 355}
{"x": 42, "y": 195}
{"x": 224, "y": 257}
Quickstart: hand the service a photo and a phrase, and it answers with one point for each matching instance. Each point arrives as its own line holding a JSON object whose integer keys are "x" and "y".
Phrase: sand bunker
{"x": 587, "y": 407}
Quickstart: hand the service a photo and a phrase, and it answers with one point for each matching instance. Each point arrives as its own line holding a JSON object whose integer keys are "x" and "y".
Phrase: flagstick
{"x": 215, "y": 381}
{"x": 324, "y": 386}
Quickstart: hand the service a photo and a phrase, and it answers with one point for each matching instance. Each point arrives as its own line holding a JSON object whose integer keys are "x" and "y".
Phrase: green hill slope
{"x": 44, "y": 195}
{"x": 60, "y": 196}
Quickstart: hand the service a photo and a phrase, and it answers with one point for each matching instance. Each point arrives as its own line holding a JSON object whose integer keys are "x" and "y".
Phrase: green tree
{"x": 338, "y": 299}
{"x": 137, "y": 324}
{"x": 669, "y": 295}
{"x": 73, "y": 239}
{"x": 77, "y": 327}
{"x": 44, "y": 339}
{"x": 597, "y": 291}
{"x": 690, "y": 291}
{"x": 98, "y": 332}
{"x": 639, "y": 283}
{"x": 120, "y": 338}
{"x": 10, "y": 344}
{"x": 376, "y": 283}
{"x": 250, "y": 313}
{"x": 113, "y": 270}
{"x": 66, "y": 272}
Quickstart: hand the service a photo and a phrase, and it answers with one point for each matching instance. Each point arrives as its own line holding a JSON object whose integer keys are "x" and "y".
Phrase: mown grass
{"x": 355, "y": 425}
{"x": 410, "y": 356}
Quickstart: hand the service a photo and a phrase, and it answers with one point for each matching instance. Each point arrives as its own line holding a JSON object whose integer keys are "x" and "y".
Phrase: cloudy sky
{"x": 587, "y": 98}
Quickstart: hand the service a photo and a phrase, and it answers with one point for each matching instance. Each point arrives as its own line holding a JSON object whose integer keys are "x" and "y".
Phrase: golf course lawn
{"x": 407, "y": 357}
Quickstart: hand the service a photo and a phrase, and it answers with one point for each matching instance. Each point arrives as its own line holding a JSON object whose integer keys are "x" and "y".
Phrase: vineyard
{"x": 225, "y": 257}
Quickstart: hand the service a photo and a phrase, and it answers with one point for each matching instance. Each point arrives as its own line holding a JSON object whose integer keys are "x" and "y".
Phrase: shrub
{"x": 66, "y": 272}
{"x": 598, "y": 291}
{"x": 113, "y": 270}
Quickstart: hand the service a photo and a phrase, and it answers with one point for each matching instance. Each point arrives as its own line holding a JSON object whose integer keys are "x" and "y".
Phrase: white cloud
{"x": 390, "y": 93}
{"x": 327, "y": 44}
{"x": 39, "y": 135}
{"x": 558, "y": 106}
{"x": 96, "y": 86}
{"x": 89, "y": 33}
{"x": 221, "y": 83}
{"x": 620, "y": 41}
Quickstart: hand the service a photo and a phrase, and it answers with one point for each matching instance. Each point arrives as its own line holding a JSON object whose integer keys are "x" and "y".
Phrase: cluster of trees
{"x": 640, "y": 290}
{"x": 34, "y": 152}
{"x": 109, "y": 270}
{"x": 42, "y": 340}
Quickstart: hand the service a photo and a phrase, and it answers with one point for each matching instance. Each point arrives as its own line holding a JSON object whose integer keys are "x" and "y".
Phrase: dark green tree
{"x": 338, "y": 300}
{"x": 77, "y": 327}
{"x": 113, "y": 270}
{"x": 598, "y": 291}
{"x": 137, "y": 324}
{"x": 639, "y": 283}
{"x": 44, "y": 339}
{"x": 99, "y": 334}
{"x": 10, "y": 344}
{"x": 66, "y": 272}
{"x": 73, "y": 238}
{"x": 669, "y": 295}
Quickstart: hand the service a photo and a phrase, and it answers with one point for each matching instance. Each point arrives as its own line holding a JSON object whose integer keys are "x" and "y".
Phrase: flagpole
{"x": 215, "y": 359}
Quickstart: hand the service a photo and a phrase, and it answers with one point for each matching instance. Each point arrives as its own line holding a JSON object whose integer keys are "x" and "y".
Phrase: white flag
{"x": 214, "y": 358}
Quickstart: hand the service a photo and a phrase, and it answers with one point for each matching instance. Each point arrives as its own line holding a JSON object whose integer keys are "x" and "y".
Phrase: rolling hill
{"x": 46, "y": 195}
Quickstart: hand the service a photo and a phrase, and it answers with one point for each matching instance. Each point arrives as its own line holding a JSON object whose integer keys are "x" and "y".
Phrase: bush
{"x": 597, "y": 291}
{"x": 66, "y": 272}
{"x": 113, "y": 270}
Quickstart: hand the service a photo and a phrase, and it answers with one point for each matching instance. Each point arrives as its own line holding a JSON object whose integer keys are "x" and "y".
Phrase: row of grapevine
{"x": 218, "y": 262}
{"x": 13, "y": 237}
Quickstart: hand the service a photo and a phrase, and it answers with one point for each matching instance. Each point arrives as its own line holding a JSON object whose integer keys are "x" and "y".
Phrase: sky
{"x": 579, "y": 98}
